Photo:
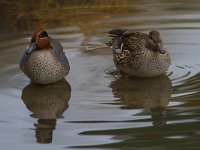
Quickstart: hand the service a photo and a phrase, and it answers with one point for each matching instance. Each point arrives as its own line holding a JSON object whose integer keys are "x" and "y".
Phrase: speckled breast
{"x": 43, "y": 68}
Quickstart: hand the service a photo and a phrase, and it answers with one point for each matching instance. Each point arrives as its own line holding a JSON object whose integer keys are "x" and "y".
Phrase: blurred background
{"x": 95, "y": 107}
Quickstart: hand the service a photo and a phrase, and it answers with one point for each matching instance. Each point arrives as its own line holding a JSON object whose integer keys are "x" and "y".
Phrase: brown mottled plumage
{"x": 44, "y": 61}
{"x": 139, "y": 54}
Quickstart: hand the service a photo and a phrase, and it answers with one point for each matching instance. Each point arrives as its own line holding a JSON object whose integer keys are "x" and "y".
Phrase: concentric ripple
{"x": 99, "y": 108}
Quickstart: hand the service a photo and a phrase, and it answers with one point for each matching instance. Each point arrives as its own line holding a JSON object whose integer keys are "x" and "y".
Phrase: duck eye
{"x": 43, "y": 34}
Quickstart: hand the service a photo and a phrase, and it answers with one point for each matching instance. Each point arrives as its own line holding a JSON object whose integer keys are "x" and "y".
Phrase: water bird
{"x": 44, "y": 60}
{"x": 139, "y": 54}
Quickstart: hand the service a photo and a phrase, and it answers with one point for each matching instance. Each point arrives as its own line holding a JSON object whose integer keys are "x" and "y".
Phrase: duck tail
{"x": 117, "y": 32}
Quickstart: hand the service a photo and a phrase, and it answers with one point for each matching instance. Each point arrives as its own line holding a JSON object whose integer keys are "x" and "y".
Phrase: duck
{"x": 44, "y": 61}
{"x": 138, "y": 54}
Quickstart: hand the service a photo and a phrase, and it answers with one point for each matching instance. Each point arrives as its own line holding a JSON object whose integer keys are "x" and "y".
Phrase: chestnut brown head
{"x": 39, "y": 41}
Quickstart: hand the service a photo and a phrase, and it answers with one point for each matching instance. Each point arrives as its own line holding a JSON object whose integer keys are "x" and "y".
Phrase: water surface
{"x": 95, "y": 107}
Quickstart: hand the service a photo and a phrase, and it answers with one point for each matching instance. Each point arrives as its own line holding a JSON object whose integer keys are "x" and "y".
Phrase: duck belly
{"x": 146, "y": 66}
{"x": 43, "y": 68}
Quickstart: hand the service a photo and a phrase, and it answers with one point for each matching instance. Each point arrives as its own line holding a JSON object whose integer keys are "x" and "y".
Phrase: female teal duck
{"x": 139, "y": 54}
{"x": 44, "y": 61}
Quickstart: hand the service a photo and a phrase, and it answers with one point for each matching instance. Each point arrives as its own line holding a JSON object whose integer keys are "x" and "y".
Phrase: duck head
{"x": 155, "y": 36}
{"x": 39, "y": 41}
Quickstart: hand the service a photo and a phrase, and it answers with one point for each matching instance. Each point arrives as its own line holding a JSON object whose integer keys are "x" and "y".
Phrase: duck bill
{"x": 31, "y": 48}
{"x": 161, "y": 49}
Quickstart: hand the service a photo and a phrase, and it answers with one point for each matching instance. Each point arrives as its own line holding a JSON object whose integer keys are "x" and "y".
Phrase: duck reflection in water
{"x": 147, "y": 93}
{"x": 47, "y": 103}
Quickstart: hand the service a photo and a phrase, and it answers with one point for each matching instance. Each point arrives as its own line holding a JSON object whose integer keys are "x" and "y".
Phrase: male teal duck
{"x": 44, "y": 60}
{"x": 139, "y": 54}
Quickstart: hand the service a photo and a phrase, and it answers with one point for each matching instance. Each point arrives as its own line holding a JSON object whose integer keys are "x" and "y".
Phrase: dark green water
{"x": 96, "y": 108}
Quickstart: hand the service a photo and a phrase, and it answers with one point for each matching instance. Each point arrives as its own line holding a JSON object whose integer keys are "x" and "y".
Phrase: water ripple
{"x": 137, "y": 113}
